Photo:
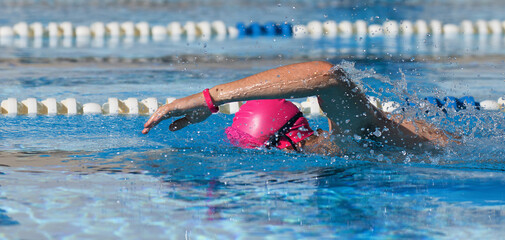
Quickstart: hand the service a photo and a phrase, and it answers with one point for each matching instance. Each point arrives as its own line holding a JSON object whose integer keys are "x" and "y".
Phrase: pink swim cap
{"x": 258, "y": 120}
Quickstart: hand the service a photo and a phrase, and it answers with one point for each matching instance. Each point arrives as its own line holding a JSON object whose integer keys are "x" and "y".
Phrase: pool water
{"x": 97, "y": 176}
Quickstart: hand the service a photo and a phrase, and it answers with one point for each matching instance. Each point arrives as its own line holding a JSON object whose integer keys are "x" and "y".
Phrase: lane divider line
{"x": 132, "y": 106}
{"x": 207, "y": 29}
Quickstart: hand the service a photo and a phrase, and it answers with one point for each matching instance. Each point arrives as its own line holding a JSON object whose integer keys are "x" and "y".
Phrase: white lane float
{"x": 219, "y": 29}
{"x": 21, "y": 29}
{"x": 206, "y": 30}
{"x": 361, "y": 28}
{"x": 300, "y": 31}
{"x": 407, "y": 28}
{"x": 132, "y": 106}
{"x": 345, "y": 28}
{"x": 37, "y": 30}
{"x": 391, "y": 28}
{"x": 315, "y": 29}
{"x": 330, "y": 28}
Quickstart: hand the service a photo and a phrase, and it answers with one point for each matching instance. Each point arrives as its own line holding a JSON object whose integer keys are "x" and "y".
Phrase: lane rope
{"x": 133, "y": 106}
{"x": 206, "y": 30}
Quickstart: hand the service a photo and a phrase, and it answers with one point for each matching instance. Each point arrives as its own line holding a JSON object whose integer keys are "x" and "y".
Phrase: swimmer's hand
{"x": 180, "y": 107}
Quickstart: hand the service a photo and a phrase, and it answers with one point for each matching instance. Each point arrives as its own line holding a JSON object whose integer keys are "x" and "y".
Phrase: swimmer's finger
{"x": 153, "y": 121}
{"x": 147, "y": 129}
{"x": 179, "y": 124}
{"x": 160, "y": 115}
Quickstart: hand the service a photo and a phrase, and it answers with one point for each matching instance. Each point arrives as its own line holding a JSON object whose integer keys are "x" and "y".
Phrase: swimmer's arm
{"x": 340, "y": 98}
{"x": 291, "y": 81}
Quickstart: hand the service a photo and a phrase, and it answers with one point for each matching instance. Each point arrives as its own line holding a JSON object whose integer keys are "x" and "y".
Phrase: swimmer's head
{"x": 271, "y": 123}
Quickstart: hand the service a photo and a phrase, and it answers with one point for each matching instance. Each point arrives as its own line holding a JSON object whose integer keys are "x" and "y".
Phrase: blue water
{"x": 98, "y": 177}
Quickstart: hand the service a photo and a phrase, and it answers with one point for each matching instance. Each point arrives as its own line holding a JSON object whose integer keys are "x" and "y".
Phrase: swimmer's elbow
{"x": 322, "y": 66}
{"x": 324, "y": 69}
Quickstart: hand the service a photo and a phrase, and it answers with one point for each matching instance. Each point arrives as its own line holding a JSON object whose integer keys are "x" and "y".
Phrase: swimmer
{"x": 267, "y": 120}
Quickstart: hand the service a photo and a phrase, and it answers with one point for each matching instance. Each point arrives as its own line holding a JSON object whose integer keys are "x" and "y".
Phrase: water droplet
{"x": 377, "y": 133}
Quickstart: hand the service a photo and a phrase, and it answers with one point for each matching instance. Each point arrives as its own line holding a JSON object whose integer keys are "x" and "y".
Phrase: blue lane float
{"x": 254, "y": 30}
{"x": 269, "y": 29}
{"x": 241, "y": 28}
{"x": 454, "y": 103}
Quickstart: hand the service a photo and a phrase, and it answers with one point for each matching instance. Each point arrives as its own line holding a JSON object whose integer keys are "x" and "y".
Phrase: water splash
{"x": 480, "y": 140}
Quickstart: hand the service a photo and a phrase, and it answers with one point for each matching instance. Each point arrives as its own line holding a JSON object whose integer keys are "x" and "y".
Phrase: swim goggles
{"x": 273, "y": 141}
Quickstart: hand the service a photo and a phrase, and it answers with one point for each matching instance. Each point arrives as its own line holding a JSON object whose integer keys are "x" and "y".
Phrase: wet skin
{"x": 345, "y": 105}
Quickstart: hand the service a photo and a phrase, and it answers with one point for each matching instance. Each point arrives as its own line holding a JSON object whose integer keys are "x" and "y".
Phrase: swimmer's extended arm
{"x": 291, "y": 81}
{"x": 340, "y": 99}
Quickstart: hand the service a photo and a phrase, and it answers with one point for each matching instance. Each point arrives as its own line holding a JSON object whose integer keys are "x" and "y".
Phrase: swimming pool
{"x": 97, "y": 176}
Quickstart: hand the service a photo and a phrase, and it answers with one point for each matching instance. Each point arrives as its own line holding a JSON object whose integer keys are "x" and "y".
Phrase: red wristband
{"x": 210, "y": 104}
